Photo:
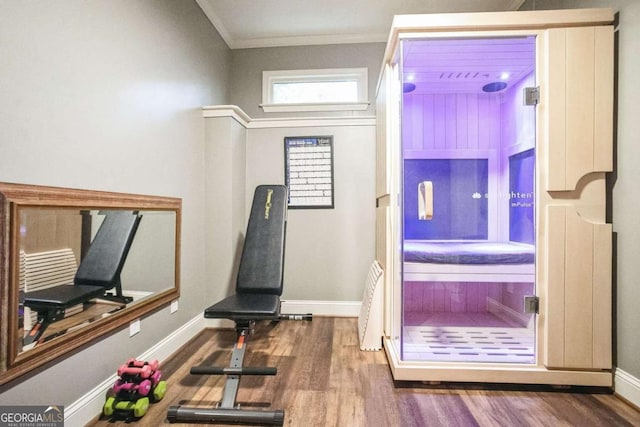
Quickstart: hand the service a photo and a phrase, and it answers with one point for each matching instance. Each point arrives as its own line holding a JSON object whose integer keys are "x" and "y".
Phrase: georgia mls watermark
{"x": 32, "y": 416}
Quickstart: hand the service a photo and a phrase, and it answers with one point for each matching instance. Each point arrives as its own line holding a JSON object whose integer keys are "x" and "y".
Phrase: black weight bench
{"x": 257, "y": 297}
{"x": 99, "y": 272}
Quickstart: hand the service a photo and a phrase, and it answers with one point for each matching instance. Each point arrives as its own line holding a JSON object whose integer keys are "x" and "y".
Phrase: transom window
{"x": 315, "y": 90}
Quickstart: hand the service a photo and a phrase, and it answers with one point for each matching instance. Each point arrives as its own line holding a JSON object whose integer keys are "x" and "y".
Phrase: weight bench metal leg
{"x": 228, "y": 412}
{"x": 225, "y": 416}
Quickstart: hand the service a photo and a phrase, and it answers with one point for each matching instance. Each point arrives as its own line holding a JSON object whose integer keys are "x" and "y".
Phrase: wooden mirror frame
{"x": 15, "y": 196}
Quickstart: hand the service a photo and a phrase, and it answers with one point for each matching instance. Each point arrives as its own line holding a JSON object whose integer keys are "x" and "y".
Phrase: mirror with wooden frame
{"x": 77, "y": 264}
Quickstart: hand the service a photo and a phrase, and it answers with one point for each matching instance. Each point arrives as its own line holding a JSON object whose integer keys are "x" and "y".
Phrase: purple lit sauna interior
{"x": 466, "y": 131}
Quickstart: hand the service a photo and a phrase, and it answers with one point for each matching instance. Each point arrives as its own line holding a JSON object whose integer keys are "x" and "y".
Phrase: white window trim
{"x": 269, "y": 78}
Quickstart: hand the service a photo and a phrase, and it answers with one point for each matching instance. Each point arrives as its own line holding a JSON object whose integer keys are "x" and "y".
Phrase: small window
{"x": 315, "y": 90}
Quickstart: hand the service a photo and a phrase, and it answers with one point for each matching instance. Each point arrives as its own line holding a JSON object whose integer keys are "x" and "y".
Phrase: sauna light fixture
{"x": 504, "y": 76}
{"x": 408, "y": 87}
{"x": 494, "y": 87}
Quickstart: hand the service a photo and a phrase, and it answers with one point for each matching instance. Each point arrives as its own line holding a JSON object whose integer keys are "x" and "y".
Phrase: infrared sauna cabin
{"x": 494, "y": 138}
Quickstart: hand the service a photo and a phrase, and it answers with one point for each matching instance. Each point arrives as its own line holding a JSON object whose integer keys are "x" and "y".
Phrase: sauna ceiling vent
{"x": 463, "y": 75}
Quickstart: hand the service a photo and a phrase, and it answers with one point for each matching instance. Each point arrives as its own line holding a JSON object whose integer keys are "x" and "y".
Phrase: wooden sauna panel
{"x": 578, "y": 333}
{"x": 382, "y": 179}
{"x": 451, "y": 122}
{"x": 387, "y": 129}
{"x": 382, "y": 218}
{"x": 580, "y": 92}
{"x": 603, "y": 93}
{"x": 603, "y": 296}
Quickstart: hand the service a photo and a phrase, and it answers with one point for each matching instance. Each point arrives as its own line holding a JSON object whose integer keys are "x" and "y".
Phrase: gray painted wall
{"x": 626, "y": 197}
{"x": 248, "y": 65}
{"x": 107, "y": 95}
{"x": 329, "y": 251}
{"x": 226, "y": 220}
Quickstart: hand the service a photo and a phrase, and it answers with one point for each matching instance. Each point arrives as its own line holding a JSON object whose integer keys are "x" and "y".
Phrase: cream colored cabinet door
{"x": 577, "y": 124}
{"x": 387, "y": 187}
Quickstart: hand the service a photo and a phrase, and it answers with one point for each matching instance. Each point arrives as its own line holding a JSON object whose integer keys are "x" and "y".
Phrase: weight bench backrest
{"x": 262, "y": 263}
{"x": 103, "y": 262}
{"x": 100, "y": 268}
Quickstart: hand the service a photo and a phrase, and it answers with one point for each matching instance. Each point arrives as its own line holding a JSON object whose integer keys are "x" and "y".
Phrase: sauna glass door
{"x": 468, "y": 200}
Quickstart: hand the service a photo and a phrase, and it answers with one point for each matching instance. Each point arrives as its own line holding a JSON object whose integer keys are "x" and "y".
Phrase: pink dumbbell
{"x": 156, "y": 377}
{"x": 136, "y": 367}
{"x": 142, "y": 389}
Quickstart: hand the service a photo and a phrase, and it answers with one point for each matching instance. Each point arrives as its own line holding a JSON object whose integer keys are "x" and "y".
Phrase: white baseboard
{"x": 85, "y": 409}
{"x": 627, "y": 386}
{"x": 322, "y": 308}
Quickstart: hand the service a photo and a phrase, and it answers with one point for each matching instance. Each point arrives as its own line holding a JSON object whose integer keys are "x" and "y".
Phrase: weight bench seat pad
{"x": 246, "y": 307}
{"x": 99, "y": 270}
{"x": 62, "y": 296}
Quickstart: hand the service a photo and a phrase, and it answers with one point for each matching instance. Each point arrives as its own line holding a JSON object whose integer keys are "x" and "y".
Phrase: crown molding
{"x": 306, "y": 40}
{"x": 301, "y": 40}
{"x": 216, "y": 22}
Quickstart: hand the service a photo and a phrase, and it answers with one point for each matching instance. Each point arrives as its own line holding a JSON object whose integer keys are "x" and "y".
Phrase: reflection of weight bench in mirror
{"x": 258, "y": 290}
{"x": 99, "y": 272}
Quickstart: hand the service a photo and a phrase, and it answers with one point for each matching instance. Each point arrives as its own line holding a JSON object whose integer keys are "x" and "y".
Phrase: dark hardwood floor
{"x": 325, "y": 380}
